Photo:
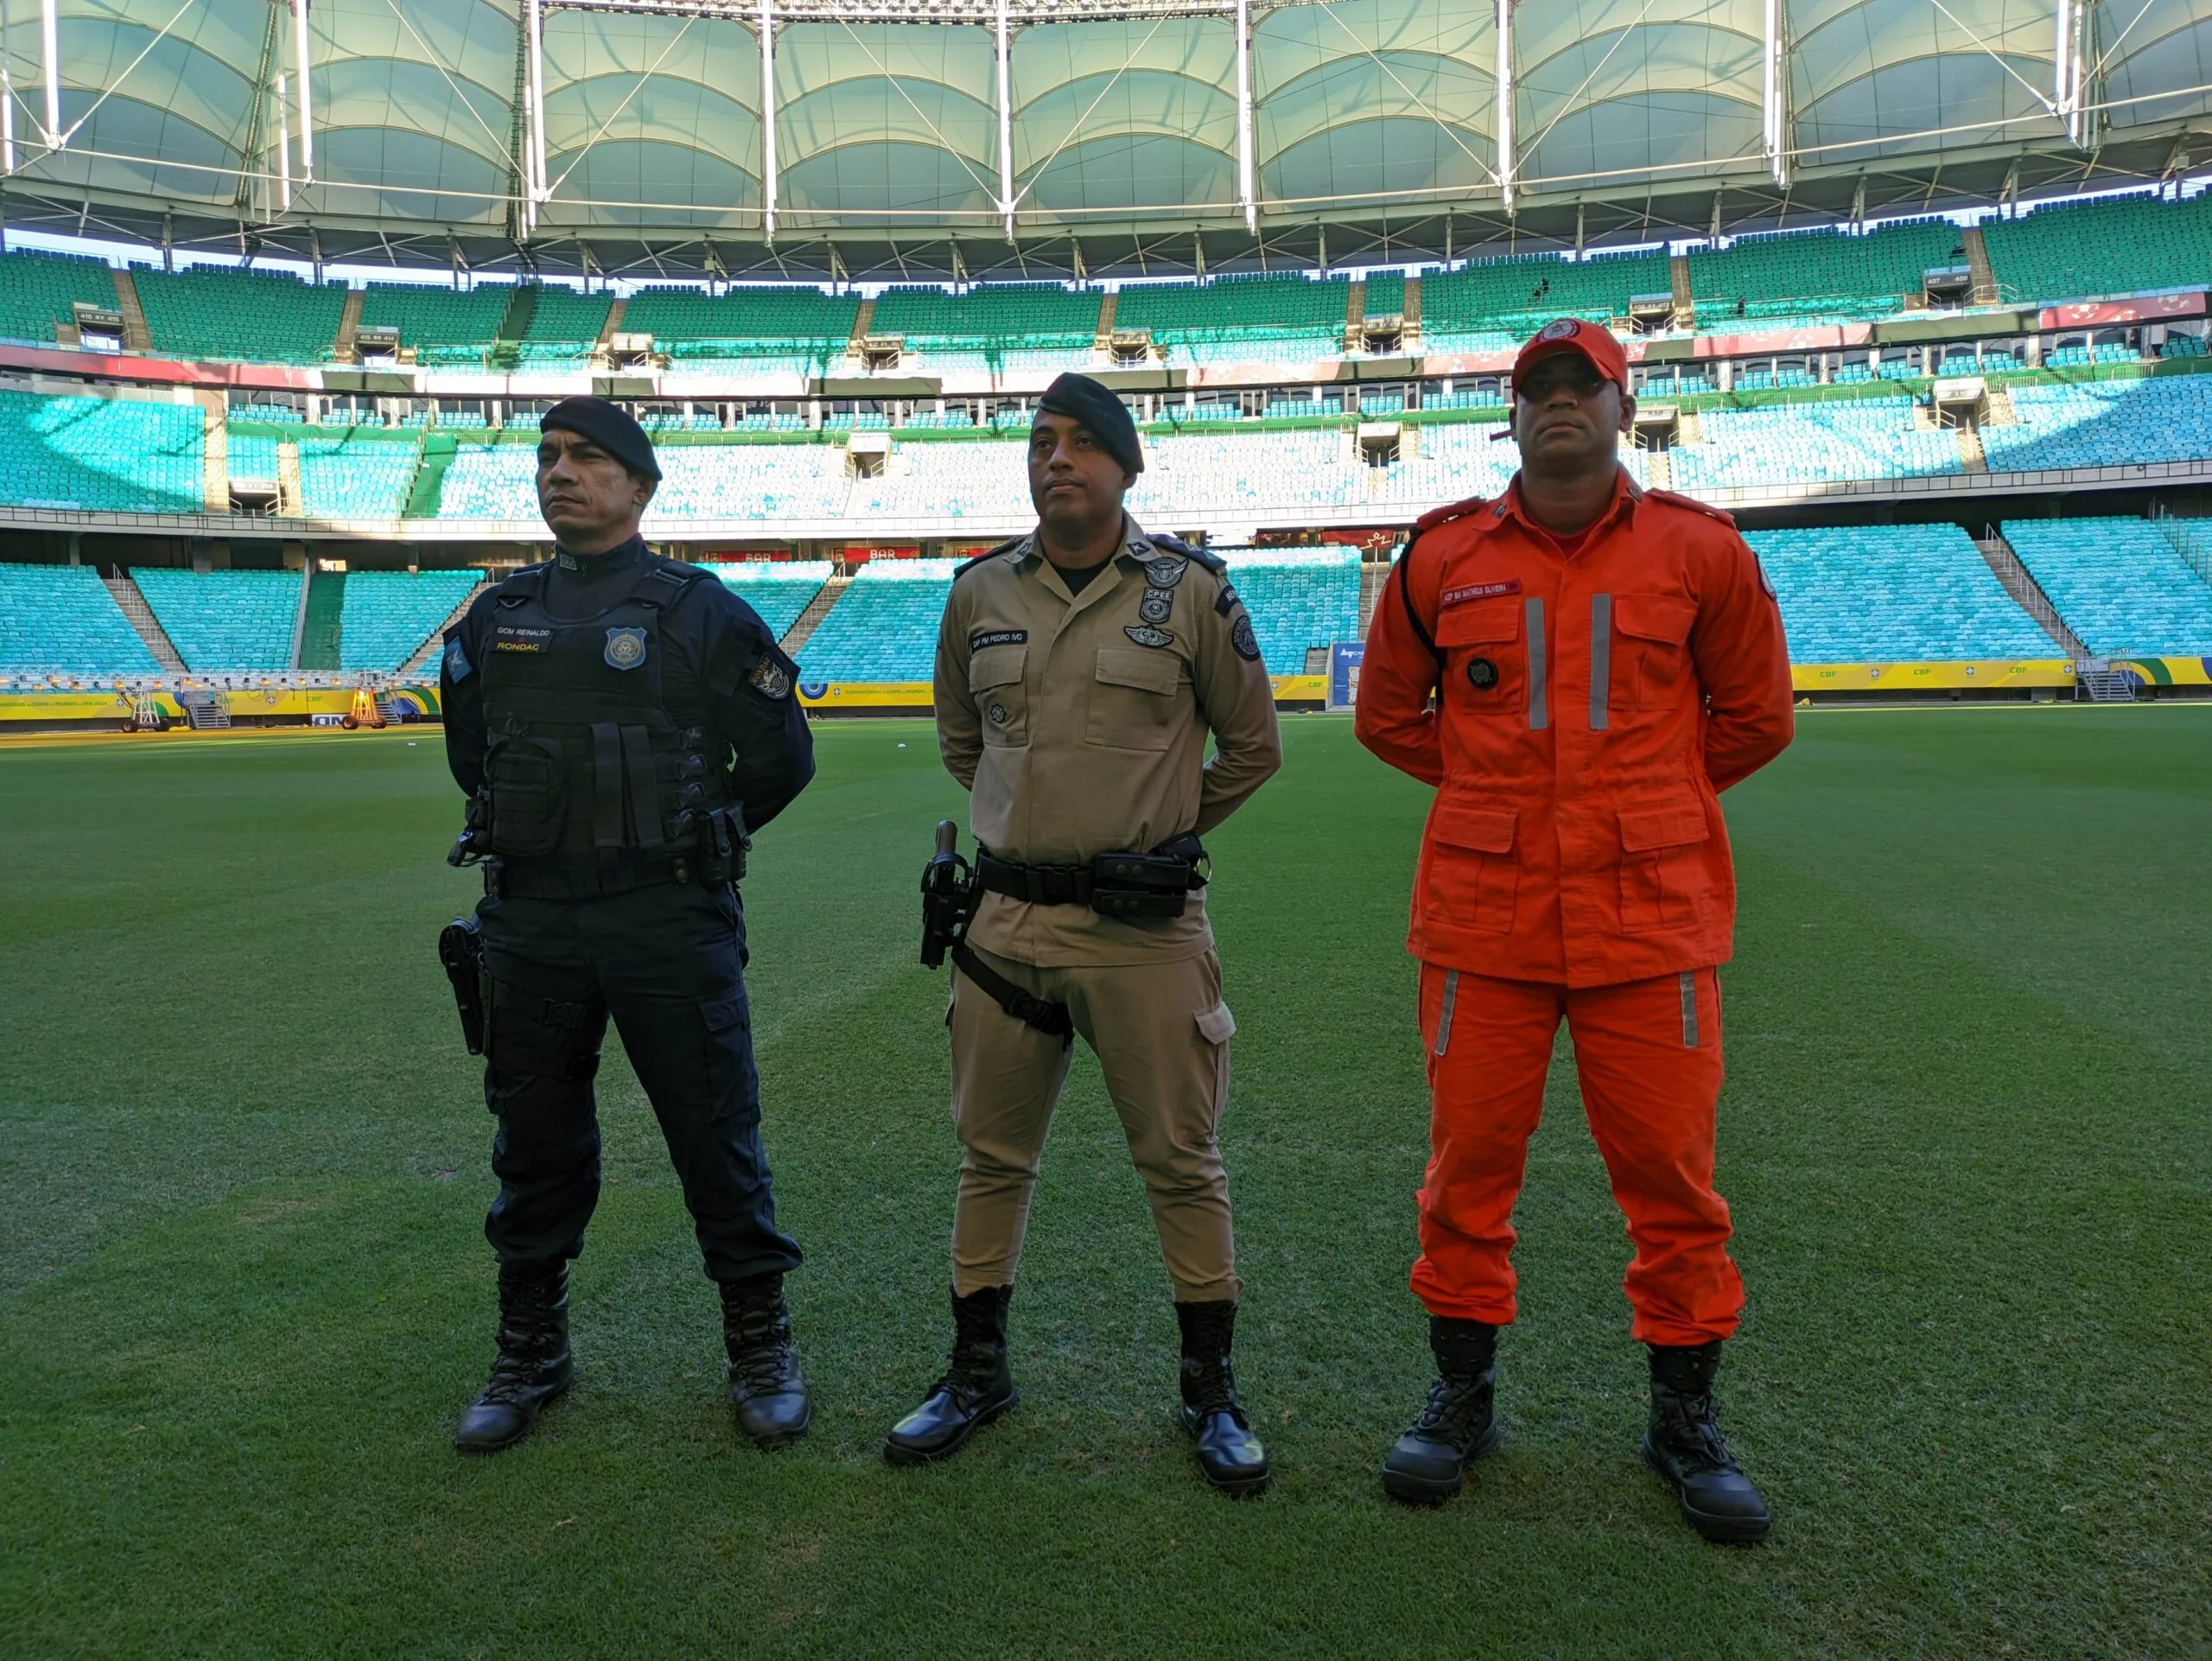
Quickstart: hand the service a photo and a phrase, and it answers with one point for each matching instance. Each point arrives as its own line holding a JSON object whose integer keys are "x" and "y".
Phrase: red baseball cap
{"x": 1594, "y": 342}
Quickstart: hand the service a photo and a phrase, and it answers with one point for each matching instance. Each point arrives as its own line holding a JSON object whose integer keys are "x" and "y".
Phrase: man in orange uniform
{"x": 1605, "y": 661}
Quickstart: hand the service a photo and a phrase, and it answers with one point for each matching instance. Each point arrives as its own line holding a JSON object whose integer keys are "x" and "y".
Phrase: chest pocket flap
{"x": 1484, "y": 622}
{"x": 996, "y": 665}
{"x": 1486, "y": 830}
{"x": 1148, "y": 671}
{"x": 1671, "y": 826}
{"x": 1663, "y": 618}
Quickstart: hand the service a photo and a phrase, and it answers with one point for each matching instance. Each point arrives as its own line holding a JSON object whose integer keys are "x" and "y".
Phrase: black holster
{"x": 460, "y": 949}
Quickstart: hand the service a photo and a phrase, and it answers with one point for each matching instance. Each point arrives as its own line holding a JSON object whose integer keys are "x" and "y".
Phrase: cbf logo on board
{"x": 626, "y": 647}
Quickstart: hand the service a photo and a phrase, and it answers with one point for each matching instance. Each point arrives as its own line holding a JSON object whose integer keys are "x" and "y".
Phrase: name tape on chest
{"x": 998, "y": 637}
{"x": 516, "y": 637}
{"x": 1473, "y": 591}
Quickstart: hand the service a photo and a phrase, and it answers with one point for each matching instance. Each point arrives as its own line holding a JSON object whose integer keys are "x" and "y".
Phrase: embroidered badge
{"x": 457, "y": 664}
{"x": 567, "y": 561}
{"x": 1477, "y": 591}
{"x": 1165, "y": 573}
{"x": 1240, "y": 636}
{"x": 1482, "y": 674}
{"x": 1565, "y": 329}
{"x": 510, "y": 637}
{"x": 1765, "y": 582}
{"x": 1146, "y": 635}
{"x": 772, "y": 680}
{"x": 1157, "y": 606}
{"x": 998, "y": 715}
{"x": 998, "y": 637}
{"x": 626, "y": 647}
{"x": 1224, "y": 600}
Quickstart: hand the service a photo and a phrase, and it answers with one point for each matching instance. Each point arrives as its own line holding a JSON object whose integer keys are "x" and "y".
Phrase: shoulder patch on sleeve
{"x": 1226, "y": 599}
{"x": 773, "y": 675}
{"x": 1241, "y": 638}
{"x": 1765, "y": 582}
{"x": 458, "y": 668}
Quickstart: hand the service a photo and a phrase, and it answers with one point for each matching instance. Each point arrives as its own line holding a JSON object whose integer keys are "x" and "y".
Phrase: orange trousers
{"x": 1648, "y": 1056}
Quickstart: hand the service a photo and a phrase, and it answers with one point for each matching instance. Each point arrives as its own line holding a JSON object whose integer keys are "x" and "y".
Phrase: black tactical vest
{"x": 587, "y": 761}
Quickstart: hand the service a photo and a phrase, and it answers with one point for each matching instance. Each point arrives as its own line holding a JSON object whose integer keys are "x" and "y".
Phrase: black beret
{"x": 1081, "y": 399}
{"x": 608, "y": 426}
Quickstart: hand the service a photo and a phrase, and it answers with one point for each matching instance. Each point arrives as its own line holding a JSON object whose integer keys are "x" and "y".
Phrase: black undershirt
{"x": 1078, "y": 579}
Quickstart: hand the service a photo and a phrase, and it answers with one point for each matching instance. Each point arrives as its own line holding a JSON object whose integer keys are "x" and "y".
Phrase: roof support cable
{"x": 1412, "y": 97}
{"x": 1112, "y": 82}
{"x": 981, "y": 183}
{"x": 107, "y": 92}
{"x": 431, "y": 58}
{"x": 616, "y": 113}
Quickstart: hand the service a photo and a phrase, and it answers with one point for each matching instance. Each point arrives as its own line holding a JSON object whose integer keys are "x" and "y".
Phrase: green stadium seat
{"x": 209, "y": 311}
{"x": 37, "y": 290}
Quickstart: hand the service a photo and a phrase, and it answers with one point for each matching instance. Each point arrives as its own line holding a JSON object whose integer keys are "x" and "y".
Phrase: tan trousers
{"x": 1161, "y": 1033}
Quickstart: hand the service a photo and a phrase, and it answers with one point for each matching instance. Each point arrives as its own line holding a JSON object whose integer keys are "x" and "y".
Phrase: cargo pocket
{"x": 1486, "y": 671}
{"x": 524, "y": 778}
{"x": 1654, "y": 629}
{"x": 1662, "y": 870}
{"x": 732, "y": 1085}
{"x": 1470, "y": 875}
{"x": 1132, "y": 702}
{"x": 994, "y": 678}
{"x": 1216, "y": 1025}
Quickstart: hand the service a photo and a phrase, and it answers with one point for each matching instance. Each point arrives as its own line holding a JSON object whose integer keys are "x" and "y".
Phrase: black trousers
{"x": 667, "y": 961}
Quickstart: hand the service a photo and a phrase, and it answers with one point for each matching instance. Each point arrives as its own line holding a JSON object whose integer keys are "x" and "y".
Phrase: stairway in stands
{"x": 140, "y": 616}
{"x": 810, "y": 619}
{"x": 322, "y": 625}
{"x": 424, "y": 662}
{"x": 204, "y": 711}
{"x": 2028, "y": 595}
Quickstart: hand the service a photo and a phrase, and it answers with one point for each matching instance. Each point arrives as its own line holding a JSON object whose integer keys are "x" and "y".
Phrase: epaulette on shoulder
{"x": 1435, "y": 517}
{"x": 1675, "y": 499}
{"x": 1006, "y": 547}
{"x": 526, "y": 579}
{"x": 1198, "y": 556}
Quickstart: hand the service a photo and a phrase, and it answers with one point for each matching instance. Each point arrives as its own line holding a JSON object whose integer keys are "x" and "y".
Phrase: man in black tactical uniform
{"x": 593, "y": 704}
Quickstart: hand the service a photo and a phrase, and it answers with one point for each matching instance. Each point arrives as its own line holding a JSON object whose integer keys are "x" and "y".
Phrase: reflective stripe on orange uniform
{"x": 1593, "y": 706}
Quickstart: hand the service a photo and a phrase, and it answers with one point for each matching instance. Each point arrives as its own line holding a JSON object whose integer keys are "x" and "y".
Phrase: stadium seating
{"x": 61, "y": 620}
{"x": 226, "y": 622}
{"x": 791, "y": 331}
{"x": 1243, "y": 474}
{"x": 210, "y": 311}
{"x": 2120, "y": 584}
{"x": 778, "y": 590}
{"x": 118, "y": 455}
{"x": 2103, "y": 424}
{"x": 389, "y": 614}
{"x": 884, "y": 627}
{"x": 968, "y": 336}
{"x": 1902, "y": 592}
{"x": 444, "y": 326}
{"x": 486, "y": 480}
{"x": 358, "y": 473}
{"x": 564, "y": 326}
{"x": 2079, "y": 250}
{"x": 1385, "y": 295}
{"x": 1806, "y": 443}
{"x": 739, "y": 481}
{"x": 36, "y": 292}
{"x": 1490, "y": 305}
{"x": 1831, "y": 275}
{"x": 1298, "y": 598}
{"x": 955, "y": 479}
{"x": 1457, "y": 460}
{"x": 252, "y": 456}
{"x": 1239, "y": 319}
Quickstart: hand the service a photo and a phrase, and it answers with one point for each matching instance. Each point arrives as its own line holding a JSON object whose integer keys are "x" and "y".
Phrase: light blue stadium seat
{"x": 2103, "y": 424}
{"x": 778, "y": 590}
{"x": 61, "y": 620}
{"x": 884, "y": 627}
{"x": 356, "y": 473}
{"x": 2120, "y": 584}
{"x": 1892, "y": 594}
{"x": 1805, "y": 443}
{"x": 120, "y": 454}
{"x": 226, "y": 622}
{"x": 1298, "y": 598}
{"x": 387, "y": 615}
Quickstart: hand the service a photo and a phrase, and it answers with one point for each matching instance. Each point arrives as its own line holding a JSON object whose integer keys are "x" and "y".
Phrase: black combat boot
{"x": 532, "y": 1368}
{"x": 765, "y": 1386}
{"x": 1424, "y": 1466}
{"x": 1213, "y": 1414}
{"x": 1684, "y": 1445}
{"x": 976, "y": 1388}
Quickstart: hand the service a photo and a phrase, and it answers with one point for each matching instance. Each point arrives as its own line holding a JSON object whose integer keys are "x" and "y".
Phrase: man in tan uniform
{"x": 1079, "y": 671}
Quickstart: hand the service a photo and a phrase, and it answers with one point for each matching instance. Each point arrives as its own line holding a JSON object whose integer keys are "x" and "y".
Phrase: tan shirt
{"x": 1079, "y": 722}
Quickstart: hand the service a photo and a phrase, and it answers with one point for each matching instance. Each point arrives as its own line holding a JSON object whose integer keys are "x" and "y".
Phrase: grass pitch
{"x": 244, "y": 1292}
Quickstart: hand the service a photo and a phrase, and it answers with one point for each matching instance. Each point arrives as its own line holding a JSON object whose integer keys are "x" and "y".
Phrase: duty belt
{"x": 547, "y": 878}
{"x": 1135, "y": 887}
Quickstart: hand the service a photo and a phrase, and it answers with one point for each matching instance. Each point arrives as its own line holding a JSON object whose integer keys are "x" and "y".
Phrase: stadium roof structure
{"x": 958, "y": 138}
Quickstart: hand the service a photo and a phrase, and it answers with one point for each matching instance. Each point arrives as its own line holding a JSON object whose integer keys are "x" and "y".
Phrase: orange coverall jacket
{"x": 1590, "y": 708}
